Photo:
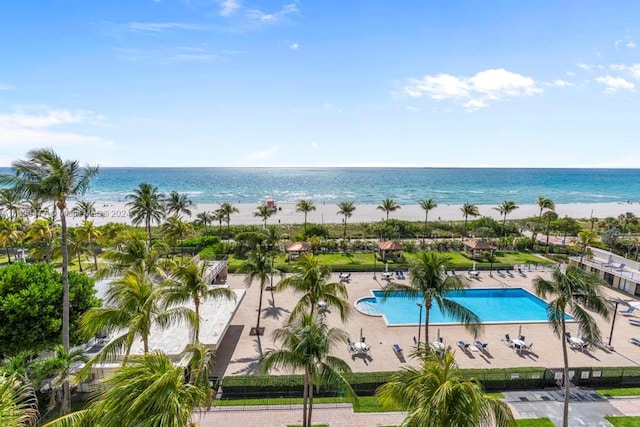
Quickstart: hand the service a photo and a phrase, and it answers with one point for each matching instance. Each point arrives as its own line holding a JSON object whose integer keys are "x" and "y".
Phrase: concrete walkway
{"x": 586, "y": 409}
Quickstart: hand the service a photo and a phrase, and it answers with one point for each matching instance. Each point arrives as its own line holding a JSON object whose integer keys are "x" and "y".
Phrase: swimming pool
{"x": 499, "y": 305}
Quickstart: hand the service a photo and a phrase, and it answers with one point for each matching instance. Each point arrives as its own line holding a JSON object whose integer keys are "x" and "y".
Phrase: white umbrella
{"x": 474, "y": 265}
{"x": 520, "y": 331}
{"x": 386, "y": 267}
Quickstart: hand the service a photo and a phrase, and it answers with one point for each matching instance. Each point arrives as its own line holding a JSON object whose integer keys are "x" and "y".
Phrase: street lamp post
{"x": 491, "y": 265}
{"x": 419, "y": 304}
{"x": 374, "y": 264}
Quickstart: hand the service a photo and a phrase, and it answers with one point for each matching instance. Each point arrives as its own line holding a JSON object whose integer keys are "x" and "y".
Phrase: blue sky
{"x": 322, "y": 83}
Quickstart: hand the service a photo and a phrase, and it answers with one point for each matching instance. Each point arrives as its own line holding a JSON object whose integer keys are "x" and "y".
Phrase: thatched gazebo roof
{"x": 478, "y": 245}
{"x": 389, "y": 246}
{"x": 299, "y": 247}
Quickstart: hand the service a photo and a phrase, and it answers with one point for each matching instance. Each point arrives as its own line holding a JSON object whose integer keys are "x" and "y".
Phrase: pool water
{"x": 501, "y": 305}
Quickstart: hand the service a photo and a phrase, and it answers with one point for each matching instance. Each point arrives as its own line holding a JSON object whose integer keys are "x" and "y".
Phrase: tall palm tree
{"x": 189, "y": 283}
{"x": 346, "y": 209}
{"x": 58, "y": 366}
{"x": 219, "y": 216}
{"x": 543, "y": 203}
{"x": 258, "y": 267}
{"x": 549, "y": 216}
{"x": 436, "y": 394}
{"x": 564, "y": 288}
{"x": 133, "y": 251}
{"x": 310, "y": 278}
{"x": 10, "y": 234}
{"x": 264, "y": 212}
{"x": 133, "y": 305}
{"x": 10, "y": 202}
{"x": 469, "y": 209}
{"x": 18, "y": 402}
{"x": 627, "y": 219}
{"x": 586, "y": 238}
{"x": 272, "y": 245}
{"x": 505, "y": 209}
{"x": 175, "y": 230}
{"x": 44, "y": 174}
{"x": 306, "y": 344}
{"x": 76, "y": 246}
{"x": 427, "y": 205}
{"x": 84, "y": 209}
{"x": 305, "y": 206}
{"x": 145, "y": 206}
{"x": 178, "y": 204}
{"x": 227, "y": 209}
{"x": 91, "y": 234}
{"x": 389, "y": 205}
{"x": 150, "y": 390}
{"x": 34, "y": 205}
{"x": 429, "y": 283}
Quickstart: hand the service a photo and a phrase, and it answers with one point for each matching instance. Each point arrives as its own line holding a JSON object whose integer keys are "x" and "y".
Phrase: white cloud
{"x": 263, "y": 154}
{"x": 631, "y": 44}
{"x": 633, "y": 70}
{"x": 586, "y": 67}
{"x": 272, "y": 18}
{"x": 570, "y": 73}
{"x": 163, "y": 26}
{"x": 314, "y": 145}
{"x": 613, "y": 84}
{"x": 229, "y": 7}
{"x": 294, "y": 46}
{"x": 559, "y": 83}
{"x": 475, "y": 91}
{"x": 31, "y": 128}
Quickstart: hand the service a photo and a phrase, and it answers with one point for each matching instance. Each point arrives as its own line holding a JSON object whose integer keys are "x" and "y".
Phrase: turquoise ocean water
{"x": 371, "y": 185}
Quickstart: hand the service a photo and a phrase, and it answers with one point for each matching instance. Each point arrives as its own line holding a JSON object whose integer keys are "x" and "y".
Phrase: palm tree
{"x": 565, "y": 287}
{"x": 427, "y": 205}
{"x": 205, "y": 218}
{"x": 305, "y": 206}
{"x": 219, "y": 216}
{"x": 627, "y": 219}
{"x": 346, "y": 209}
{"x": 543, "y": 203}
{"x": 44, "y": 174}
{"x": 587, "y": 238}
{"x": 468, "y": 210}
{"x": 40, "y": 236}
{"x": 258, "y": 267}
{"x": 58, "y": 366}
{"x": 227, "y": 209}
{"x": 263, "y": 212}
{"x": 91, "y": 234}
{"x": 436, "y": 394}
{"x": 176, "y": 230}
{"x": 178, "y": 204}
{"x": 310, "y": 278}
{"x": 133, "y": 251}
{"x": 388, "y": 205}
{"x": 133, "y": 305}
{"x": 10, "y": 202}
{"x": 18, "y": 402}
{"x": 189, "y": 282}
{"x": 84, "y": 209}
{"x": 77, "y": 246}
{"x": 429, "y": 283}
{"x": 505, "y": 209}
{"x": 150, "y": 390}
{"x": 549, "y": 216}
{"x": 145, "y": 206}
{"x": 35, "y": 207}
{"x": 10, "y": 234}
{"x": 306, "y": 344}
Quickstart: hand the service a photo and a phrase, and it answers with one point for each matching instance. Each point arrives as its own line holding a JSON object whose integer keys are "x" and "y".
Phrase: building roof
{"x": 299, "y": 247}
{"x": 390, "y": 245}
{"x": 478, "y": 245}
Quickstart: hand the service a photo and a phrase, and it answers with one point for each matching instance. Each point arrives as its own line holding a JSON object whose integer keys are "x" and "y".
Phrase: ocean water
{"x": 371, "y": 185}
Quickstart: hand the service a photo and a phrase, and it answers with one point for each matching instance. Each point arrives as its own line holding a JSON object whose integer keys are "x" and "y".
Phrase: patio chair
{"x": 397, "y": 349}
{"x": 528, "y": 347}
{"x": 635, "y": 341}
{"x": 520, "y": 272}
{"x": 620, "y": 267}
{"x": 463, "y": 345}
{"x": 634, "y": 322}
{"x": 567, "y": 336}
{"x": 453, "y": 273}
{"x": 481, "y": 345}
{"x": 627, "y": 312}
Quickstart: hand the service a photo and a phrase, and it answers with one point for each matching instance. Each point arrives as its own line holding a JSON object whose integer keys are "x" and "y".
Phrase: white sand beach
{"x": 327, "y": 213}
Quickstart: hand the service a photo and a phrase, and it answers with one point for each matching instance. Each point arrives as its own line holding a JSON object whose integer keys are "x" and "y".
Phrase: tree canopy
{"x": 31, "y": 306}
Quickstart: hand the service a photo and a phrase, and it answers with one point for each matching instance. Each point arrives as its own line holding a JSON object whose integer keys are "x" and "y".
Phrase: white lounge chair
{"x": 628, "y": 312}
{"x": 620, "y": 267}
{"x": 634, "y": 322}
{"x": 635, "y": 341}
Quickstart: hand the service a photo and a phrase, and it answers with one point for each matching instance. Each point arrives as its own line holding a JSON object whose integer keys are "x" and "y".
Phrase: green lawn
{"x": 366, "y": 403}
{"x": 534, "y": 422}
{"x": 617, "y": 392}
{"x": 624, "y": 421}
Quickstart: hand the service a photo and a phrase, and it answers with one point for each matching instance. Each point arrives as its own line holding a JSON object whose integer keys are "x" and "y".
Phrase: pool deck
{"x": 239, "y": 353}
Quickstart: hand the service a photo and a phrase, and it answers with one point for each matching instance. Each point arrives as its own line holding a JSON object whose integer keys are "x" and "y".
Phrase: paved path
{"x": 586, "y": 409}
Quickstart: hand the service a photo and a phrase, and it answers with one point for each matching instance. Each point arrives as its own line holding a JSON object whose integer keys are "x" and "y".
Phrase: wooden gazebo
{"x": 295, "y": 249}
{"x": 477, "y": 245}
{"x": 390, "y": 249}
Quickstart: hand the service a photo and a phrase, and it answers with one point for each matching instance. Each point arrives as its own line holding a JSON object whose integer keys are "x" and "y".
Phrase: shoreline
{"x": 326, "y": 213}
